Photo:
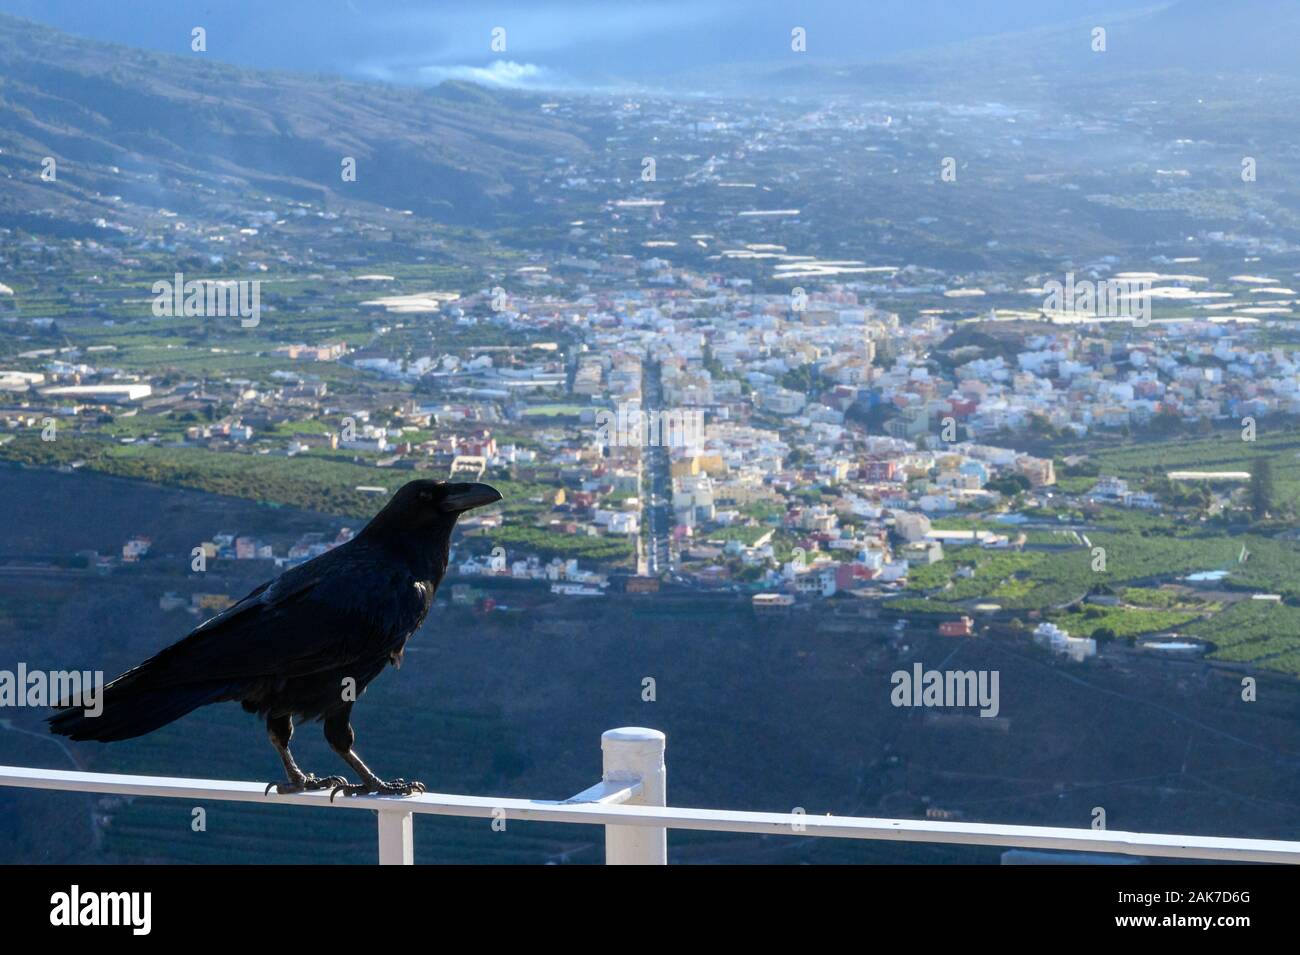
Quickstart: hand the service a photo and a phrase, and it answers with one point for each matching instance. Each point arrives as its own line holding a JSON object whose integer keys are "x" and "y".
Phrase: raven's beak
{"x": 466, "y": 497}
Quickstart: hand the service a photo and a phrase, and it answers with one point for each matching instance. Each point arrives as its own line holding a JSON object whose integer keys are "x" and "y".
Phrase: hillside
{"x": 1171, "y": 44}
{"x": 190, "y": 133}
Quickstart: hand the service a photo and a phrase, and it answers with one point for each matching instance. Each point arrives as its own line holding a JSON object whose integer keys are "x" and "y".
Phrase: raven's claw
{"x": 308, "y": 784}
{"x": 398, "y": 787}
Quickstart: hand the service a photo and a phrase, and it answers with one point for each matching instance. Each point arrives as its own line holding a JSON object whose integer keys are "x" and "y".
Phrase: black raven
{"x": 305, "y": 644}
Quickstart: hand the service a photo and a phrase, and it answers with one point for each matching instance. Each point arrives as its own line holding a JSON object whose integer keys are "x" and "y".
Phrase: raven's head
{"x": 431, "y": 505}
{"x": 443, "y": 499}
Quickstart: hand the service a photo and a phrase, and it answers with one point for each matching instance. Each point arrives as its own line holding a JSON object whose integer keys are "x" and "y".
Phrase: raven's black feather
{"x": 288, "y": 647}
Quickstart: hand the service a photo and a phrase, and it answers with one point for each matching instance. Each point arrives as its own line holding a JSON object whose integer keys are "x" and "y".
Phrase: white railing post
{"x": 636, "y": 754}
{"x": 396, "y": 837}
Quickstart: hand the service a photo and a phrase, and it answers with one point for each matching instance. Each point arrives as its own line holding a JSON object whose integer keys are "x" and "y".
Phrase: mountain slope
{"x": 187, "y": 129}
{"x": 1181, "y": 38}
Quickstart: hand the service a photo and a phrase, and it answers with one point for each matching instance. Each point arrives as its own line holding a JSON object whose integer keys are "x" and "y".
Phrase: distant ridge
{"x": 200, "y": 129}
{"x": 1188, "y": 36}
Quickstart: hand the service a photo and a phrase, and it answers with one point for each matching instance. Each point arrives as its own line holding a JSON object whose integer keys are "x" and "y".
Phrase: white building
{"x": 1058, "y": 640}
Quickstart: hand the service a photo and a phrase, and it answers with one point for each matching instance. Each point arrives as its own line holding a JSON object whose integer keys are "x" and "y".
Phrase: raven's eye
{"x": 426, "y": 495}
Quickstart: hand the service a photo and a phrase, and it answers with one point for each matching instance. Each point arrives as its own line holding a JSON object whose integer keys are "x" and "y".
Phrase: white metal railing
{"x": 630, "y": 802}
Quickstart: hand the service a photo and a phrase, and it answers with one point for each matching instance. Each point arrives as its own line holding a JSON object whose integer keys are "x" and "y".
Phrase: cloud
{"x": 556, "y": 46}
{"x": 498, "y": 73}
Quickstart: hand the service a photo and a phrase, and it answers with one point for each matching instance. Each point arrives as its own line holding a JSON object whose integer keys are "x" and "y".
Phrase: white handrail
{"x": 630, "y": 803}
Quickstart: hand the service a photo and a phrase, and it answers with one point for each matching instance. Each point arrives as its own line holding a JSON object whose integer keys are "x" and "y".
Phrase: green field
{"x": 1123, "y": 622}
{"x": 1275, "y": 439}
{"x": 1258, "y": 632}
{"x": 316, "y": 482}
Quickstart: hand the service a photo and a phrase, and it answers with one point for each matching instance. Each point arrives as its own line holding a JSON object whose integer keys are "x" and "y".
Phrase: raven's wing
{"x": 319, "y": 616}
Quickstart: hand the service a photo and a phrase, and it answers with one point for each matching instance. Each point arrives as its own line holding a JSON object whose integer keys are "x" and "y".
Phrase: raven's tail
{"x": 129, "y": 707}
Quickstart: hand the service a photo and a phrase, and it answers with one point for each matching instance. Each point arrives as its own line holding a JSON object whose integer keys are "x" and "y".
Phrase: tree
{"x": 1261, "y": 487}
{"x": 1010, "y": 484}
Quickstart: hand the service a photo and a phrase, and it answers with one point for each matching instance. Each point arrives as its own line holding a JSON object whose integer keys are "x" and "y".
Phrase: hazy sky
{"x": 547, "y": 41}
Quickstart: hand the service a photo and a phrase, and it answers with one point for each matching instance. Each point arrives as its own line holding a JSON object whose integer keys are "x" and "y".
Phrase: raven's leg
{"x": 280, "y": 729}
{"x": 340, "y": 736}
